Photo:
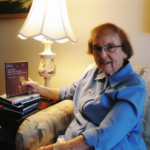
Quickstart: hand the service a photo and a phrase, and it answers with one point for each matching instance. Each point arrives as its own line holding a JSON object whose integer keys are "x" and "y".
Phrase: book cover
{"x": 18, "y": 105}
{"x": 46, "y": 103}
{"x": 20, "y": 98}
{"x": 15, "y": 73}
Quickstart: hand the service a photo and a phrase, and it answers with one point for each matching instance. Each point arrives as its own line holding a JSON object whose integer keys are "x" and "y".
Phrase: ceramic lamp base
{"x": 47, "y": 68}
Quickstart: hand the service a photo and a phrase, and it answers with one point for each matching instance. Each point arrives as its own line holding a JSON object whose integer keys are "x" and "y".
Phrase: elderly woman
{"x": 108, "y": 99}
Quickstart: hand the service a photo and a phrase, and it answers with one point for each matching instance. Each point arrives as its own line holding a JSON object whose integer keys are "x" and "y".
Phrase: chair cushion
{"x": 42, "y": 128}
{"x": 144, "y": 72}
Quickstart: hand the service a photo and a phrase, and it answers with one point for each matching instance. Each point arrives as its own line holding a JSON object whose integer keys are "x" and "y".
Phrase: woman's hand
{"x": 77, "y": 143}
{"x": 49, "y": 147}
{"x": 34, "y": 86}
{"x": 51, "y": 93}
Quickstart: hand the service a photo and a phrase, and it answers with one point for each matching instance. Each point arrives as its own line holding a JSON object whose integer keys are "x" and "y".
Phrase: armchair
{"x": 43, "y": 127}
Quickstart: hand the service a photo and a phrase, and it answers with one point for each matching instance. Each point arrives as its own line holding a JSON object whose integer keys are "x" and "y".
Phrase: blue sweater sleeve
{"x": 68, "y": 92}
{"x": 121, "y": 119}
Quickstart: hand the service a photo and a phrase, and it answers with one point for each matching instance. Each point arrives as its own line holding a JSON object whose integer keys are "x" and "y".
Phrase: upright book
{"x": 15, "y": 73}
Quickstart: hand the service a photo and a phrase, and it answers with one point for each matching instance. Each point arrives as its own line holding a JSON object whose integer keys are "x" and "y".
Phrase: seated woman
{"x": 108, "y": 100}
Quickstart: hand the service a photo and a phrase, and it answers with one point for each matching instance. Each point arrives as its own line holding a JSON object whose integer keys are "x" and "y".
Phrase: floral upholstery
{"x": 42, "y": 128}
{"x": 144, "y": 72}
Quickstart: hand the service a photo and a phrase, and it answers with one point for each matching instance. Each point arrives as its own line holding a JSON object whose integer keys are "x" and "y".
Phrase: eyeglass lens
{"x": 108, "y": 48}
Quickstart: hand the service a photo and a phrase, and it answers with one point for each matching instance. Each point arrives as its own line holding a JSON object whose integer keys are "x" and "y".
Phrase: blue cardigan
{"x": 108, "y": 114}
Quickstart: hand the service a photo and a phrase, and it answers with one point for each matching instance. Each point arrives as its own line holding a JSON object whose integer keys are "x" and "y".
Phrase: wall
{"x": 71, "y": 60}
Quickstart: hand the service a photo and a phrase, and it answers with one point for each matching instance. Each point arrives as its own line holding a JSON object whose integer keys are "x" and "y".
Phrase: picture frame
{"x": 14, "y": 8}
{"x": 10, "y": 16}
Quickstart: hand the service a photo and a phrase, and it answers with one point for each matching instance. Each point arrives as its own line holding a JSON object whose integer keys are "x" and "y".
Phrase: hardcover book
{"x": 19, "y": 99}
{"x": 21, "y": 111}
{"x": 46, "y": 103}
{"x": 21, "y": 107}
{"x": 15, "y": 73}
{"x": 13, "y": 119}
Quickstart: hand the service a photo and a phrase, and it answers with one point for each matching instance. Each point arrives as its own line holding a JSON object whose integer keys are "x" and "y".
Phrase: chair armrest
{"x": 42, "y": 128}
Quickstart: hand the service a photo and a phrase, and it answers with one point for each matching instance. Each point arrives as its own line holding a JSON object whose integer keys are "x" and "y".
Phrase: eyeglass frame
{"x": 104, "y": 47}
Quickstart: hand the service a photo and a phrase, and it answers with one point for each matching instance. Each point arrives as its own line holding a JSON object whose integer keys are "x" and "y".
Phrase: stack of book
{"x": 13, "y": 111}
{"x": 18, "y": 102}
{"x": 19, "y": 106}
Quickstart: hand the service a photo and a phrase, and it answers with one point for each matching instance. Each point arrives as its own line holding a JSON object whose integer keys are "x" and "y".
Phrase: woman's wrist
{"x": 40, "y": 88}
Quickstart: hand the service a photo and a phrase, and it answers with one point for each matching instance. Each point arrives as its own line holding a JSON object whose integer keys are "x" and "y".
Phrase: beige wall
{"x": 71, "y": 60}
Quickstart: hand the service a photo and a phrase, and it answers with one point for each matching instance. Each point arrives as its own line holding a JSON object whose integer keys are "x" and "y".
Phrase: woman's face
{"x": 109, "y": 62}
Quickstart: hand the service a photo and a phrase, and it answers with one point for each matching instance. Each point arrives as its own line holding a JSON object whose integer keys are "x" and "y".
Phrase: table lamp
{"x": 47, "y": 22}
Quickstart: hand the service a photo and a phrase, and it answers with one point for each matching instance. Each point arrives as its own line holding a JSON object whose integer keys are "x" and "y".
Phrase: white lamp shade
{"x": 48, "y": 19}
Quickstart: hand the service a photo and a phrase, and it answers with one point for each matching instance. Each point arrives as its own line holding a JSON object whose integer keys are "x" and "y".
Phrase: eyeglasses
{"x": 108, "y": 48}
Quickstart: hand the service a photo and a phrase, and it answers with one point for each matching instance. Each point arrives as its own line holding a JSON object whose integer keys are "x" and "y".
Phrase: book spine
{"x": 10, "y": 104}
{"x": 22, "y": 112}
{"x": 20, "y": 99}
{"x": 24, "y": 100}
{"x": 32, "y": 108}
{"x": 24, "y": 109}
{"x": 6, "y": 77}
{"x": 28, "y": 100}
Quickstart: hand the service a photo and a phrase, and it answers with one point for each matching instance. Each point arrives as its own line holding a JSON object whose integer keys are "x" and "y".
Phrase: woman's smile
{"x": 105, "y": 63}
{"x": 112, "y": 61}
